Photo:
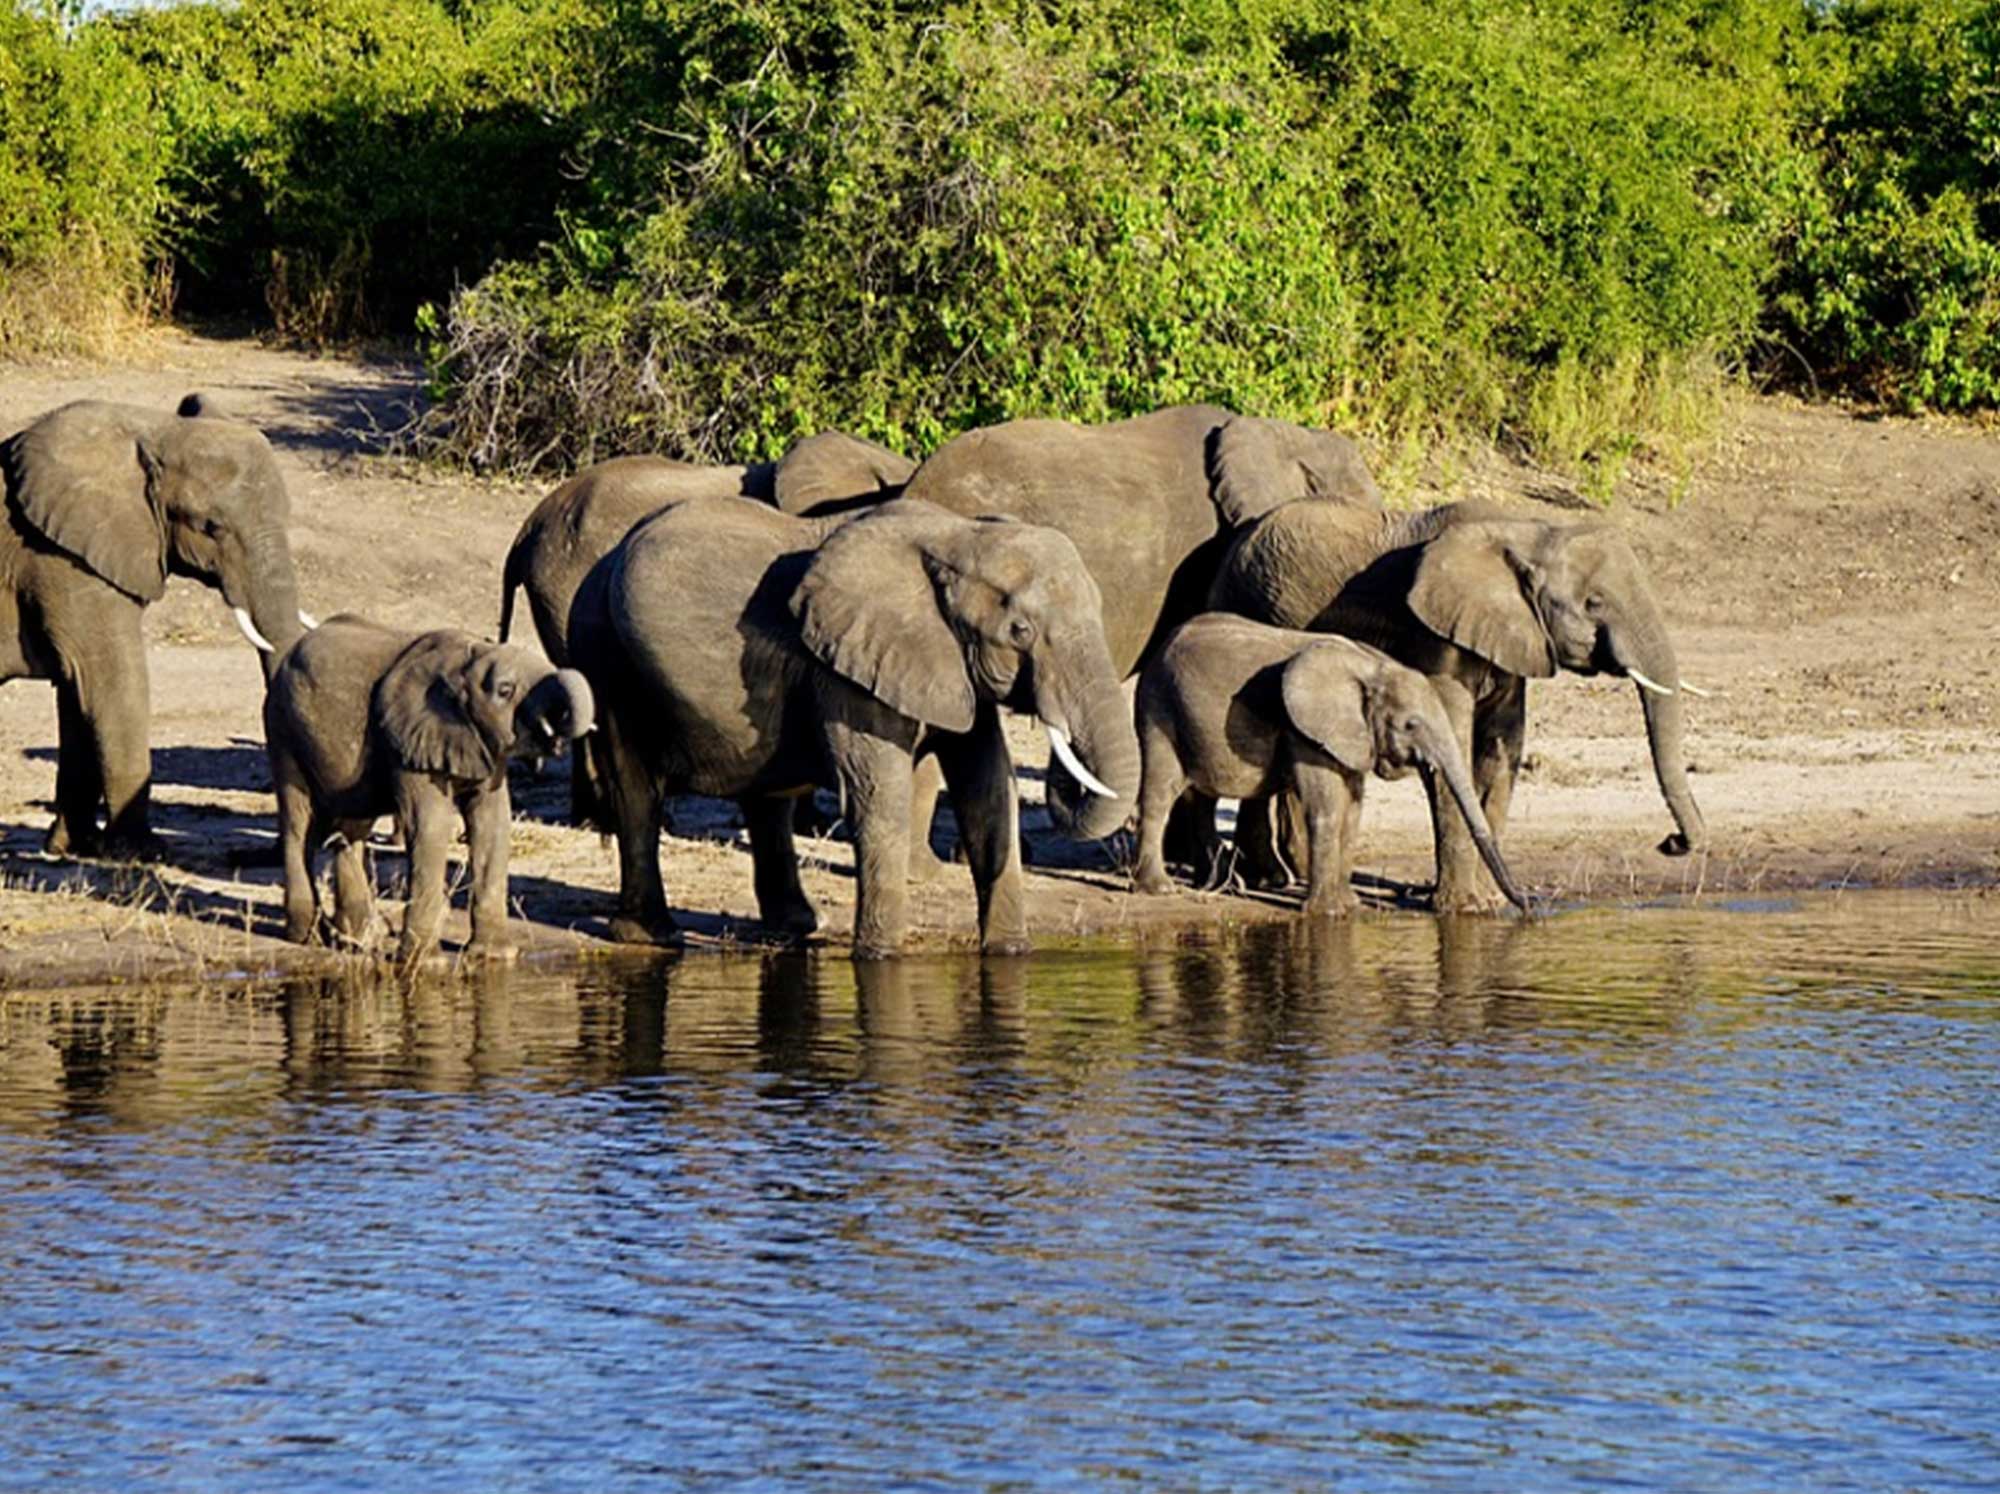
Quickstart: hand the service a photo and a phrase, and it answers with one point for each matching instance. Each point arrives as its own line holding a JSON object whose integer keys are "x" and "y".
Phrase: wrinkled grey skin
{"x": 1233, "y": 708}
{"x": 363, "y": 721}
{"x": 739, "y": 652}
{"x": 103, "y": 503}
{"x": 1148, "y": 503}
{"x": 1479, "y": 599}
{"x": 580, "y": 523}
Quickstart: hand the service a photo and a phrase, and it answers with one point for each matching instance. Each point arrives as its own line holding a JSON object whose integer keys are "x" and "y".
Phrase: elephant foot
{"x": 659, "y": 929}
{"x": 871, "y": 951}
{"x": 1005, "y": 944}
{"x": 795, "y": 920}
{"x": 63, "y": 840}
{"x": 1151, "y": 881}
{"x": 1332, "y": 905}
{"x": 493, "y": 951}
{"x": 1466, "y": 900}
{"x": 139, "y": 846}
{"x": 302, "y": 930}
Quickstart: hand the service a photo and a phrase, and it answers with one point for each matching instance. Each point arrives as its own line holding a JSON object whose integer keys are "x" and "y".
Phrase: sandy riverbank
{"x": 1829, "y": 578}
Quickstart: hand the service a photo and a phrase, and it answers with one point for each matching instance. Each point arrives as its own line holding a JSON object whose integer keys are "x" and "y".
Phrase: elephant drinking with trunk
{"x": 1481, "y": 599}
{"x": 103, "y": 503}
{"x": 1234, "y": 708}
{"x": 739, "y": 652}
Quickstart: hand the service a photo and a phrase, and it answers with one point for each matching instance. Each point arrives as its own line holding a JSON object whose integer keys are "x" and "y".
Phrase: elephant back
{"x": 316, "y": 707}
{"x": 833, "y": 472}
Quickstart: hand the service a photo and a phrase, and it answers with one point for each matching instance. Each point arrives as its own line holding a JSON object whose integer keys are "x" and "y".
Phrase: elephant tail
{"x": 510, "y": 582}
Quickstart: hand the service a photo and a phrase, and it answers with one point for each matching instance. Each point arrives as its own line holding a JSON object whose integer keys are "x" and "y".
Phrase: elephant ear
{"x": 1257, "y": 464}
{"x": 1328, "y": 704}
{"x": 84, "y": 478}
{"x": 870, "y": 608}
{"x": 836, "y": 468}
{"x": 1475, "y": 585}
{"x": 424, "y": 705}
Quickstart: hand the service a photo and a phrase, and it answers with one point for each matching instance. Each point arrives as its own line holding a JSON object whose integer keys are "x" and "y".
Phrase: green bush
{"x": 1892, "y": 273}
{"x": 82, "y": 191}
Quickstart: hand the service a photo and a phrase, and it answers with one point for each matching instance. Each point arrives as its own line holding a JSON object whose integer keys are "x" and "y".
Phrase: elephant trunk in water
{"x": 1646, "y": 655}
{"x": 1095, "y": 726}
{"x": 267, "y": 593}
{"x": 1444, "y": 761}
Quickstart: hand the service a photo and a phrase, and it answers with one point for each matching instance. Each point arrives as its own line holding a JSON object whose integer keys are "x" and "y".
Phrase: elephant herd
{"x": 846, "y": 618}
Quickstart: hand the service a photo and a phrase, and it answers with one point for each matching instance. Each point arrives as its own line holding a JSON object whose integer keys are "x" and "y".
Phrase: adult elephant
{"x": 582, "y": 521}
{"x": 1481, "y": 599}
{"x": 739, "y": 652}
{"x": 1149, "y": 504}
{"x": 104, "y": 503}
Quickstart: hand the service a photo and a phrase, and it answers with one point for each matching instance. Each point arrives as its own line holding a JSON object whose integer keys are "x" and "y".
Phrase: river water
{"x": 1650, "y": 1198}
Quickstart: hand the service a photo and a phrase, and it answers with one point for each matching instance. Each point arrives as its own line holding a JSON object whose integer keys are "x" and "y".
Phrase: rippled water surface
{"x": 1661, "y": 1199}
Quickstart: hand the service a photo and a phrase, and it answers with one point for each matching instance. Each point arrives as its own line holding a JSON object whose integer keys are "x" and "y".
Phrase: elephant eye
{"x": 1021, "y": 631}
{"x": 1593, "y": 603}
{"x": 504, "y": 690}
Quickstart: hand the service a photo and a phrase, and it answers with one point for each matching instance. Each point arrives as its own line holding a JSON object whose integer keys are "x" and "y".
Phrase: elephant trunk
{"x": 1647, "y": 657}
{"x": 1447, "y": 765}
{"x": 1090, "y": 724}
{"x": 558, "y": 710}
{"x": 267, "y": 593}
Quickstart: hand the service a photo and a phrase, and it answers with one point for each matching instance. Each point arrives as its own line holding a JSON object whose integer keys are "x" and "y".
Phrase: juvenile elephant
{"x": 1480, "y": 599}
{"x": 580, "y": 522}
{"x": 103, "y": 503}
{"x": 1148, "y": 502}
{"x": 1231, "y": 707}
{"x": 364, "y": 721}
{"x": 739, "y": 652}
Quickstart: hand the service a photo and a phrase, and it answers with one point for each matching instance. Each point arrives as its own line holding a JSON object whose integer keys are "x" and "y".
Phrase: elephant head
{"x": 1534, "y": 597}
{"x": 833, "y": 471}
{"x": 933, "y": 613}
{"x": 1255, "y": 464}
{"x": 1366, "y": 712}
{"x": 457, "y": 705}
{"x": 136, "y": 496}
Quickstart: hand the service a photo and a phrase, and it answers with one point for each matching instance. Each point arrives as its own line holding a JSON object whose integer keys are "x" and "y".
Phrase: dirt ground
{"x": 1828, "y": 574}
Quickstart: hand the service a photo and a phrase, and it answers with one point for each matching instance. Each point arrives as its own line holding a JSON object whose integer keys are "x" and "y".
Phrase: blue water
{"x": 1655, "y": 1199}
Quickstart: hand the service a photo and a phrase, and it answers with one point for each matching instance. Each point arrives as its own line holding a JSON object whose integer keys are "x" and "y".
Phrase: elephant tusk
{"x": 307, "y": 620}
{"x": 1695, "y": 690}
{"x": 1066, "y": 755}
{"x": 1645, "y": 684}
{"x": 257, "y": 639}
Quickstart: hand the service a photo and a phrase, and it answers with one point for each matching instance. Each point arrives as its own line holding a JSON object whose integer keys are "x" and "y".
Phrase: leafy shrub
{"x": 82, "y": 166}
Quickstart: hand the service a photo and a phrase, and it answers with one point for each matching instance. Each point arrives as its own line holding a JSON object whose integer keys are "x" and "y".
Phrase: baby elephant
{"x": 363, "y": 721}
{"x": 1231, "y": 707}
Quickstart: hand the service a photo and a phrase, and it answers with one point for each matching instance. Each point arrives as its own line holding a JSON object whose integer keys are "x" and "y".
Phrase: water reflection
{"x": 1651, "y": 1195}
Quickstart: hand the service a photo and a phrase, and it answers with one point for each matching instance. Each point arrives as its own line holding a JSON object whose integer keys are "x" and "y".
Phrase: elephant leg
{"x": 926, "y": 782}
{"x": 1214, "y": 859}
{"x": 875, "y": 775}
{"x": 1260, "y": 843}
{"x": 638, "y": 809}
{"x": 980, "y": 774}
{"x": 1331, "y": 800}
{"x": 781, "y": 899}
{"x": 1463, "y": 885}
{"x": 295, "y": 829}
{"x": 79, "y": 783}
{"x": 117, "y": 699}
{"x": 586, "y": 787}
{"x": 1161, "y": 784}
{"x": 427, "y": 815}
{"x": 1499, "y": 732}
{"x": 353, "y": 888}
{"x": 489, "y": 821}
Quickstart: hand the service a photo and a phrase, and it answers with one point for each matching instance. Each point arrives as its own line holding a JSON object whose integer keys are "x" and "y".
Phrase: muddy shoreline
{"x": 1827, "y": 573}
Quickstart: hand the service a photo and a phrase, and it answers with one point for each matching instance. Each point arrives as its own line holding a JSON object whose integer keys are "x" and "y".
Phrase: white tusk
{"x": 1645, "y": 684}
{"x": 590, "y": 728}
{"x": 263, "y": 644}
{"x": 308, "y": 621}
{"x": 1694, "y": 690}
{"x": 1066, "y": 755}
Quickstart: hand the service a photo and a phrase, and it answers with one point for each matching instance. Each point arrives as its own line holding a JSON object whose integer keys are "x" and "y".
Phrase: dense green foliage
{"x": 705, "y": 226}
